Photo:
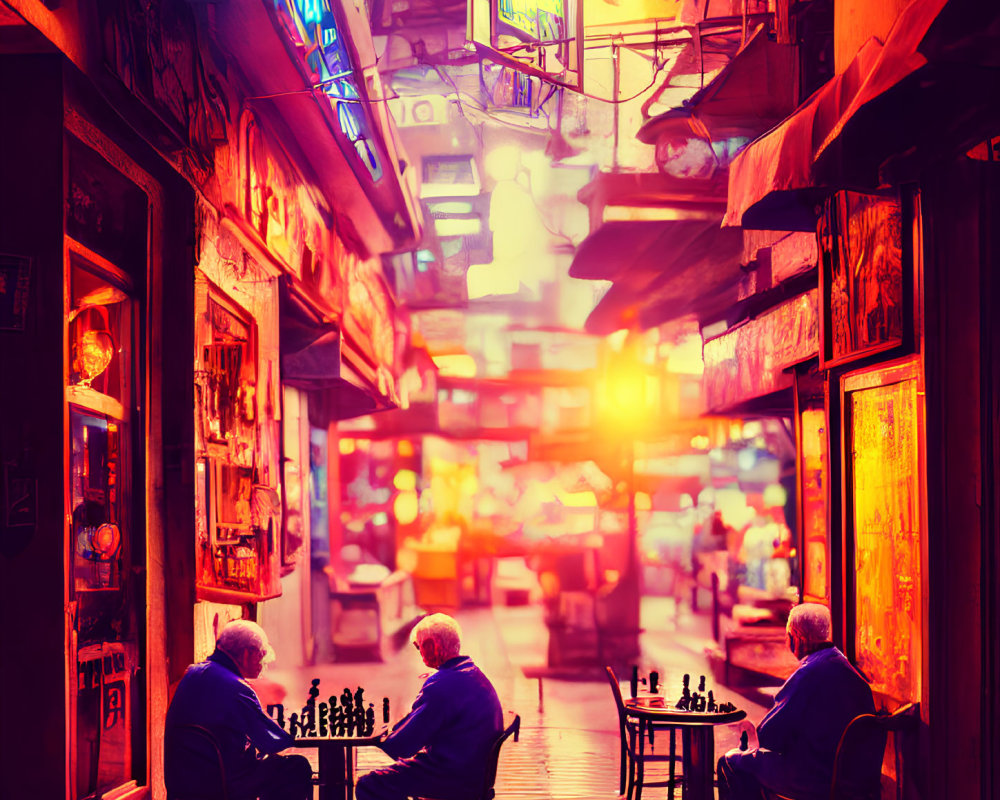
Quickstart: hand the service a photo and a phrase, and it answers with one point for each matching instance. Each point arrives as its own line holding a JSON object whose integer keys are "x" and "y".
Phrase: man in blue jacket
{"x": 798, "y": 737}
{"x": 442, "y": 745}
{"x": 215, "y": 695}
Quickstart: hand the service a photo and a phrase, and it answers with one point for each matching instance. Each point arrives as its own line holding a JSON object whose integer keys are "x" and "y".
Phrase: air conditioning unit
{"x": 428, "y": 109}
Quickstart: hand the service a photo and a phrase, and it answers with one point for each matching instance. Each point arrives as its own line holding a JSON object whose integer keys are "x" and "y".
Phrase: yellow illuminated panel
{"x": 816, "y": 563}
{"x": 887, "y": 537}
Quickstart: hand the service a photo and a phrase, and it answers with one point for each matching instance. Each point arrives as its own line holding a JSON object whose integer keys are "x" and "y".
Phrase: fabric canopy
{"x": 311, "y": 360}
{"x": 771, "y": 183}
{"x": 700, "y": 278}
{"x": 908, "y": 104}
{"x": 929, "y": 90}
{"x": 634, "y": 252}
{"x": 750, "y": 94}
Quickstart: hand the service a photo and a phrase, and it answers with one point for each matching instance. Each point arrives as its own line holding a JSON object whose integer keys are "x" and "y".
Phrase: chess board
{"x": 697, "y": 706}
{"x": 346, "y": 717}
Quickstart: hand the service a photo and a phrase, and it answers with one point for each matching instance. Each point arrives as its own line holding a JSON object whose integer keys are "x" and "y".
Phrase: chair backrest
{"x": 494, "y": 758}
{"x": 195, "y": 747}
{"x": 857, "y": 766}
{"x": 616, "y": 690}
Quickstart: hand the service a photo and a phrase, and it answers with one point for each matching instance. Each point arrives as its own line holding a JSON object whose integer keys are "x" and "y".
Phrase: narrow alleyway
{"x": 568, "y": 748}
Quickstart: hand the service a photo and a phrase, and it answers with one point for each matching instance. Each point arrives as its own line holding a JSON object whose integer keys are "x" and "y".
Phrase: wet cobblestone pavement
{"x": 568, "y": 746}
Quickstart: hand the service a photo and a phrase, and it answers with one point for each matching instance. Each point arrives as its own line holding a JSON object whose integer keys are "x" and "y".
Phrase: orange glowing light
{"x": 94, "y": 351}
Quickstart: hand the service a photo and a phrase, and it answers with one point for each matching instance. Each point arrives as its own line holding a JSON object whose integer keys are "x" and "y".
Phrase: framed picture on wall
{"x": 884, "y": 517}
{"x": 866, "y": 248}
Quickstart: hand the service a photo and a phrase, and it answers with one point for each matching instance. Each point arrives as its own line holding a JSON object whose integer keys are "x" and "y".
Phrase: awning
{"x": 771, "y": 183}
{"x": 311, "y": 360}
{"x": 634, "y": 252}
{"x": 700, "y": 279}
{"x": 657, "y": 237}
{"x": 749, "y": 95}
{"x": 910, "y": 107}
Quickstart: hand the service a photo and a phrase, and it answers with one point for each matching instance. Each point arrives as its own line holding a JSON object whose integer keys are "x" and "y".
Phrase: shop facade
{"x": 155, "y": 216}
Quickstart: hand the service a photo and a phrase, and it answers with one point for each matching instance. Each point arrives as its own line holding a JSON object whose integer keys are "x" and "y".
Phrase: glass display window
{"x": 103, "y": 543}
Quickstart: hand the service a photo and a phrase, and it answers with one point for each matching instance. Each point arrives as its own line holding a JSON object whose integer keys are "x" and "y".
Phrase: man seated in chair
{"x": 798, "y": 737}
{"x": 442, "y": 745}
{"x": 215, "y": 695}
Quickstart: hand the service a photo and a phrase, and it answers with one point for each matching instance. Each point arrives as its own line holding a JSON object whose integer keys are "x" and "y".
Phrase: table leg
{"x": 333, "y": 784}
{"x": 700, "y": 763}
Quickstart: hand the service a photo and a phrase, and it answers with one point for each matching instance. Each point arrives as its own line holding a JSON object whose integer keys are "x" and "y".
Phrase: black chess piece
{"x": 307, "y": 719}
{"x": 686, "y": 681}
{"x": 701, "y": 683}
{"x": 385, "y": 710}
{"x": 293, "y": 725}
{"x": 633, "y": 684}
{"x": 278, "y": 717}
{"x": 744, "y": 741}
{"x": 370, "y": 720}
{"x": 711, "y": 702}
{"x": 337, "y": 723}
{"x": 359, "y": 698}
{"x": 654, "y": 682}
{"x": 324, "y": 711}
{"x": 313, "y": 691}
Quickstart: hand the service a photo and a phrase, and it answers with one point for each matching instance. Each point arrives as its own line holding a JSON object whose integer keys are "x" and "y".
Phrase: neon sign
{"x": 540, "y": 19}
{"x": 313, "y": 29}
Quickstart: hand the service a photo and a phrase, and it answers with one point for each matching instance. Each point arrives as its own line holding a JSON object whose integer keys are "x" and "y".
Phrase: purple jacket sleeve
{"x": 265, "y": 734}
{"x": 418, "y": 727}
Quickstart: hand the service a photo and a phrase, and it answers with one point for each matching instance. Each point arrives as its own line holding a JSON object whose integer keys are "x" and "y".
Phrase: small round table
{"x": 697, "y": 736}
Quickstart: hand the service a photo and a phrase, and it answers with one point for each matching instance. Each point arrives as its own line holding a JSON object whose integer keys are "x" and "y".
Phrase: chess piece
{"x": 346, "y": 698}
{"x": 313, "y": 691}
{"x": 359, "y": 698}
{"x": 337, "y": 723}
{"x": 701, "y": 683}
{"x": 370, "y": 720}
{"x": 278, "y": 717}
{"x": 654, "y": 682}
{"x": 307, "y": 720}
{"x": 324, "y": 711}
{"x": 711, "y": 702}
{"x": 633, "y": 684}
{"x": 293, "y": 725}
{"x": 385, "y": 710}
{"x": 744, "y": 741}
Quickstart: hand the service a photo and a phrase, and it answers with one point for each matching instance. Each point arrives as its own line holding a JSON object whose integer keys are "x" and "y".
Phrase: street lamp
{"x": 624, "y": 397}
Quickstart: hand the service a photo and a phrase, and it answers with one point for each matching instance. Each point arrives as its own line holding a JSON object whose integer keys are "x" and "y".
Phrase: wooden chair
{"x": 857, "y": 766}
{"x": 197, "y": 744}
{"x": 486, "y": 791}
{"x": 632, "y": 753}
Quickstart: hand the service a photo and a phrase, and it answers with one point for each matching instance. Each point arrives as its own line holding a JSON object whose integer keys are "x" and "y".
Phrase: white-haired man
{"x": 441, "y": 746}
{"x": 215, "y": 695}
{"x": 798, "y": 737}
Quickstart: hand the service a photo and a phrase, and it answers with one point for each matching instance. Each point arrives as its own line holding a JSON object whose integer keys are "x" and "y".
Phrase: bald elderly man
{"x": 798, "y": 737}
{"x": 216, "y": 696}
{"x": 442, "y": 745}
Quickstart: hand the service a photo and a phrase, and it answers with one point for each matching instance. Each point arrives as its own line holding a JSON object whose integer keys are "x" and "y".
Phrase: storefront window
{"x": 100, "y": 377}
{"x": 886, "y": 524}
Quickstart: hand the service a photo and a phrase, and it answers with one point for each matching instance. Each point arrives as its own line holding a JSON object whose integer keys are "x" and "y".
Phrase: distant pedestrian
{"x": 215, "y": 695}
{"x": 442, "y": 745}
{"x": 798, "y": 737}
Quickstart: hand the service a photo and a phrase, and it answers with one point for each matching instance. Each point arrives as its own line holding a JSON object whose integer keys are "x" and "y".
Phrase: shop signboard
{"x": 542, "y": 38}
{"x": 866, "y": 274}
